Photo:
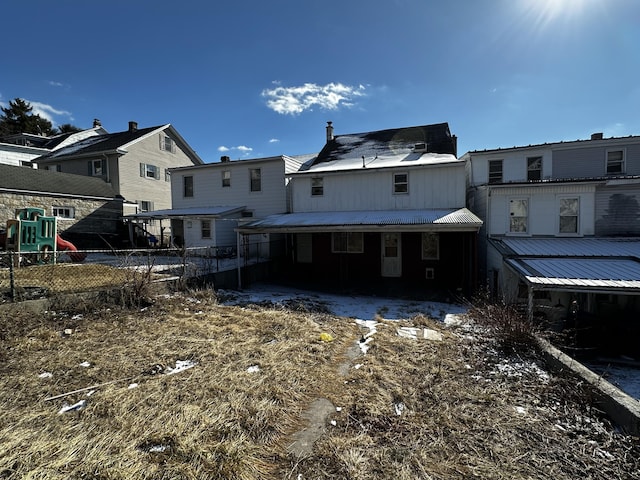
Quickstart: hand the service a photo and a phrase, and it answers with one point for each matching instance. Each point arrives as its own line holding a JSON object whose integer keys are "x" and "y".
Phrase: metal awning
{"x": 598, "y": 275}
{"x": 183, "y": 213}
{"x": 437, "y": 220}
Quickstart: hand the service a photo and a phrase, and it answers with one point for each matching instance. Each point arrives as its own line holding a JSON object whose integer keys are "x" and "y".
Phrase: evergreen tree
{"x": 18, "y": 118}
{"x": 68, "y": 128}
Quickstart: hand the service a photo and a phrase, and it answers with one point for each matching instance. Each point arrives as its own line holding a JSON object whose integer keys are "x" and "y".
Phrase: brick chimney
{"x": 329, "y": 131}
{"x": 97, "y": 123}
{"x": 225, "y": 158}
{"x": 133, "y": 126}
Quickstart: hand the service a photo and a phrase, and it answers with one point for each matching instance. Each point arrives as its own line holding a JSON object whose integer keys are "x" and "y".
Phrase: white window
{"x": 188, "y": 185}
{"x": 64, "y": 212}
{"x": 255, "y": 178}
{"x": 569, "y": 213}
{"x": 149, "y": 171}
{"x": 205, "y": 228}
{"x": 317, "y": 186}
{"x": 145, "y": 205}
{"x": 347, "y": 242}
{"x": 226, "y": 178}
{"x": 96, "y": 168}
{"x": 615, "y": 162}
{"x": 400, "y": 183}
{"x": 495, "y": 171}
{"x": 519, "y": 215}
{"x": 430, "y": 246}
{"x": 534, "y": 168}
{"x": 167, "y": 144}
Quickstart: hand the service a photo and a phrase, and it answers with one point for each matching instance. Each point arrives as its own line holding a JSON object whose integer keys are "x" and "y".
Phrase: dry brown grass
{"x": 463, "y": 418}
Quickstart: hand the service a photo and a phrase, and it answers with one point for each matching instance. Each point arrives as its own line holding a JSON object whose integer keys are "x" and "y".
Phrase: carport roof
{"x": 180, "y": 213}
{"x": 396, "y": 220}
{"x": 595, "y": 274}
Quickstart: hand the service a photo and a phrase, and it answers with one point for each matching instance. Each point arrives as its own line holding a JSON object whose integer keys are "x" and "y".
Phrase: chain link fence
{"x": 33, "y": 275}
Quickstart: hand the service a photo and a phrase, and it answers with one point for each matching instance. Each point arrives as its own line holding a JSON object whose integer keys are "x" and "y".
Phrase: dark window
{"x": 255, "y": 178}
{"x": 347, "y": 242}
{"x": 317, "y": 186}
{"x": 615, "y": 162}
{"x": 226, "y": 178}
{"x": 400, "y": 183}
{"x": 534, "y": 168}
{"x": 188, "y": 186}
{"x": 495, "y": 171}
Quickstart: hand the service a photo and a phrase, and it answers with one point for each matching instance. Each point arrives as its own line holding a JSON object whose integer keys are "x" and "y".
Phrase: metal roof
{"x": 187, "y": 212}
{"x": 573, "y": 247}
{"x": 604, "y": 274}
{"x": 437, "y": 219}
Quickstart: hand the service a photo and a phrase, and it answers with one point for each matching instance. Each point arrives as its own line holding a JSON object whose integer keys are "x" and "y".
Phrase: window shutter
{"x": 156, "y": 173}
{"x": 161, "y": 137}
{"x": 142, "y": 169}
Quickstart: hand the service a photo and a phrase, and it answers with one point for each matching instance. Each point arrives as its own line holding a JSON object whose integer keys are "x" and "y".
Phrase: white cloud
{"x": 55, "y": 84}
{"x": 274, "y": 140}
{"x": 49, "y": 112}
{"x": 295, "y": 100}
{"x": 240, "y": 148}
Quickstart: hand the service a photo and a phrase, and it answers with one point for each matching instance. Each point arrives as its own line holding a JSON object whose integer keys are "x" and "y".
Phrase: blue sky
{"x": 255, "y": 78}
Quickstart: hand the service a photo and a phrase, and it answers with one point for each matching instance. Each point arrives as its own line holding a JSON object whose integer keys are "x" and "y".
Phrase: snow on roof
{"x": 188, "y": 212}
{"x": 460, "y": 218}
{"x": 403, "y": 159}
{"x": 579, "y": 273}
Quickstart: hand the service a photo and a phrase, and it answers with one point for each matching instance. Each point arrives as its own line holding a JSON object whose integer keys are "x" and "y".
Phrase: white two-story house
{"x": 379, "y": 210}
{"x": 561, "y": 222}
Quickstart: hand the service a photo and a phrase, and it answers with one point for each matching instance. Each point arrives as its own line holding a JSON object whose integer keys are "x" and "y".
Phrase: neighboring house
{"x": 561, "y": 224}
{"x": 379, "y": 210}
{"x": 208, "y": 201}
{"x": 87, "y": 209}
{"x": 21, "y": 149}
{"x": 135, "y": 162}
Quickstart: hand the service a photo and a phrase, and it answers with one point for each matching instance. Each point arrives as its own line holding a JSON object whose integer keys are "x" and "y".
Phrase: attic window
{"x": 420, "y": 147}
{"x": 167, "y": 144}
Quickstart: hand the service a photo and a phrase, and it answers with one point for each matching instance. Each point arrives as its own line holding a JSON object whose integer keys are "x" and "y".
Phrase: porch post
{"x": 530, "y": 304}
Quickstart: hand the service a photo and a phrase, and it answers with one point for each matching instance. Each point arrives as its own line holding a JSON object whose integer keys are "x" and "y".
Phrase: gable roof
{"x": 390, "y": 142}
{"x": 29, "y": 180}
{"x": 115, "y": 143}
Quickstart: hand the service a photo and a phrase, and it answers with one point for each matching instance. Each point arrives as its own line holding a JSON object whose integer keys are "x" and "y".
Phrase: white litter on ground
{"x": 85, "y": 364}
{"x": 181, "y": 366}
{"x": 45, "y": 375}
{"x": 253, "y": 369}
{"x": 76, "y": 406}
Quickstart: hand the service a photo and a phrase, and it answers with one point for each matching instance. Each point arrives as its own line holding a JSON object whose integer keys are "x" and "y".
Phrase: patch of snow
{"x": 76, "y": 406}
{"x": 408, "y": 332}
{"x": 333, "y": 422}
{"x": 338, "y": 409}
{"x": 45, "y": 375}
{"x": 85, "y": 364}
{"x": 132, "y": 385}
{"x": 433, "y": 335}
{"x": 158, "y": 448}
{"x": 253, "y": 369}
{"x": 357, "y": 366}
{"x": 77, "y": 317}
{"x": 520, "y": 410}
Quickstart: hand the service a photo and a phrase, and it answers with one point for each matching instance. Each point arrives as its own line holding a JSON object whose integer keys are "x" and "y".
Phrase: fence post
{"x": 12, "y": 284}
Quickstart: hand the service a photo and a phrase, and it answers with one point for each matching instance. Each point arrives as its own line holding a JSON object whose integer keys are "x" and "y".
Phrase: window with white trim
{"x": 226, "y": 178}
{"x": 400, "y": 183}
{"x": 519, "y": 215}
{"x": 347, "y": 242}
{"x": 317, "y": 186}
{"x": 205, "y": 228}
{"x": 167, "y": 144}
{"x": 149, "y": 171}
{"x": 430, "y": 246}
{"x": 569, "y": 209}
{"x": 145, "y": 205}
{"x": 96, "y": 167}
{"x": 255, "y": 178}
{"x": 495, "y": 171}
{"x": 167, "y": 175}
{"x": 63, "y": 212}
{"x": 615, "y": 162}
{"x": 534, "y": 168}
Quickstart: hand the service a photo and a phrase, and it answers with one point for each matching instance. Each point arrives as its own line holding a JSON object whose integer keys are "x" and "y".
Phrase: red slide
{"x": 70, "y": 248}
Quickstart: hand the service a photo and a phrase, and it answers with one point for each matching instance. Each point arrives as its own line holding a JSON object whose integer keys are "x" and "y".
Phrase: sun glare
{"x": 544, "y": 12}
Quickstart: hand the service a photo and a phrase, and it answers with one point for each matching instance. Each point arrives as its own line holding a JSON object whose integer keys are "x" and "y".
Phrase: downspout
{"x": 238, "y": 260}
{"x": 106, "y": 166}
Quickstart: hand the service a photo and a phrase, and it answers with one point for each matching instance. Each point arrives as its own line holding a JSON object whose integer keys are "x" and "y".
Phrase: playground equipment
{"x": 33, "y": 235}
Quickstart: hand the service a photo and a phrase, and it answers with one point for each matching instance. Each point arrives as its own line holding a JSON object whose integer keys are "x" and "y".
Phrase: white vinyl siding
{"x": 440, "y": 187}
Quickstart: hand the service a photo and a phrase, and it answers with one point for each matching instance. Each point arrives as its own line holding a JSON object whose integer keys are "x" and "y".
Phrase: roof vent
{"x": 420, "y": 147}
{"x": 133, "y": 126}
{"x": 225, "y": 158}
{"x": 596, "y": 136}
{"x": 329, "y": 131}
